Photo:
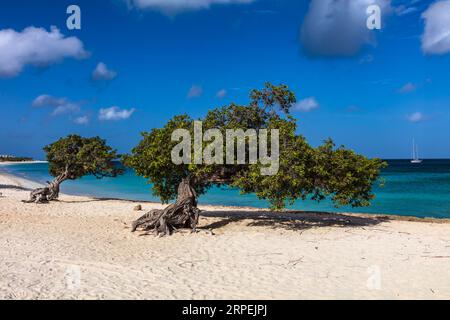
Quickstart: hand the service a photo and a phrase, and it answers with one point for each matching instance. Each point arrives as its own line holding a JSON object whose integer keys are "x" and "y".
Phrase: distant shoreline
{"x": 15, "y": 180}
{"x": 8, "y": 163}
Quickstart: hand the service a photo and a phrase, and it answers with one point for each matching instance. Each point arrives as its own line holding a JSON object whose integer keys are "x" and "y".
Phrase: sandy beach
{"x": 82, "y": 248}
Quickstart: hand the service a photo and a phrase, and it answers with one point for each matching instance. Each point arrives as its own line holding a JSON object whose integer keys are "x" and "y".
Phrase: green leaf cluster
{"x": 75, "y": 157}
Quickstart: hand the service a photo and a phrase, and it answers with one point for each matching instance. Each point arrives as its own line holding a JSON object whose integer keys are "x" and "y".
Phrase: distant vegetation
{"x": 14, "y": 159}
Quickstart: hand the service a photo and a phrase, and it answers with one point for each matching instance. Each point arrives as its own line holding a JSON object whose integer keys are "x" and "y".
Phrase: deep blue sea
{"x": 421, "y": 190}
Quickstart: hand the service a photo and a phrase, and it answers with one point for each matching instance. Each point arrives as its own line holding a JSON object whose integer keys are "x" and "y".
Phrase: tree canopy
{"x": 304, "y": 171}
{"x": 75, "y": 157}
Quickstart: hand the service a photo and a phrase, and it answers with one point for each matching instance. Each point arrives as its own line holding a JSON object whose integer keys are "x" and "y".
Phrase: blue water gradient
{"x": 421, "y": 190}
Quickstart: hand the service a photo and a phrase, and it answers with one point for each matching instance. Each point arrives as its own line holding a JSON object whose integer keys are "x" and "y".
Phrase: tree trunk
{"x": 181, "y": 214}
{"x": 49, "y": 193}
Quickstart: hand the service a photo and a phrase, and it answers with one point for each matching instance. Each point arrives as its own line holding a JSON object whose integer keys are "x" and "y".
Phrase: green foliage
{"x": 271, "y": 96}
{"x": 151, "y": 159}
{"x": 294, "y": 179}
{"x": 75, "y": 157}
{"x": 305, "y": 172}
{"x": 344, "y": 175}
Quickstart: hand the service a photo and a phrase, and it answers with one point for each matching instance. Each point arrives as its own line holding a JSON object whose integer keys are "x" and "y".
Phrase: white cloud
{"x": 221, "y": 93}
{"x": 171, "y": 7}
{"x": 115, "y": 114}
{"x": 436, "y": 37}
{"x": 66, "y": 108}
{"x": 60, "y": 105}
{"x": 46, "y": 100}
{"x": 102, "y": 72}
{"x": 416, "y": 117}
{"x": 338, "y": 27}
{"x": 403, "y": 10}
{"x": 83, "y": 120}
{"x": 306, "y": 105}
{"x": 407, "y": 88}
{"x": 37, "y": 47}
{"x": 195, "y": 92}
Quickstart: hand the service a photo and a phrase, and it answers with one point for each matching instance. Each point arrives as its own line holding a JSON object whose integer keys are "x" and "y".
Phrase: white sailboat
{"x": 415, "y": 154}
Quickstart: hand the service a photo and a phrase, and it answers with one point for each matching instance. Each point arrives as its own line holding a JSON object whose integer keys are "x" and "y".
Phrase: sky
{"x": 134, "y": 64}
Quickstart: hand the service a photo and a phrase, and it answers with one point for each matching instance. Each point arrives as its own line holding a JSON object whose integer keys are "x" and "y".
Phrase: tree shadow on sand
{"x": 287, "y": 220}
{"x": 292, "y": 220}
{"x": 7, "y": 186}
{"x": 99, "y": 199}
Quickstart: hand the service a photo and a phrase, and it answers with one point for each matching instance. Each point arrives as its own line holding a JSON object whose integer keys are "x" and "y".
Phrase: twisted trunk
{"x": 49, "y": 193}
{"x": 181, "y": 214}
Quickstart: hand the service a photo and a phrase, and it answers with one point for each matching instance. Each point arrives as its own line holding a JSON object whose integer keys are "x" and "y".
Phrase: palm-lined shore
{"x": 252, "y": 254}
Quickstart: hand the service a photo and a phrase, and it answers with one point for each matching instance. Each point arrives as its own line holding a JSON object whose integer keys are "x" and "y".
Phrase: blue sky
{"x": 135, "y": 64}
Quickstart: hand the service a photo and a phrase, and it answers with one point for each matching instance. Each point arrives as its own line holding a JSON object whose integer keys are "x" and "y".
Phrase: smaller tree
{"x": 73, "y": 157}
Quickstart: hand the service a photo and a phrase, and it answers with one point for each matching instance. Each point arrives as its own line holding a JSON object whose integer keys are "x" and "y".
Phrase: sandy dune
{"x": 82, "y": 248}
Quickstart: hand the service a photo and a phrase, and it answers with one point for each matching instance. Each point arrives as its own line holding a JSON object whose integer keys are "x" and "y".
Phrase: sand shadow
{"x": 99, "y": 199}
{"x": 7, "y": 186}
{"x": 288, "y": 220}
{"x": 292, "y": 220}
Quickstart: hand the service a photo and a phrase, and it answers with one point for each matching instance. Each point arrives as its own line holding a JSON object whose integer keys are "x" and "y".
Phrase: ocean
{"x": 420, "y": 190}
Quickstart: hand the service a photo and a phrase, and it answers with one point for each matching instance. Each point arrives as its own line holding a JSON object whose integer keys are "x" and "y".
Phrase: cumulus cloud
{"x": 102, "y": 72}
{"x": 60, "y": 105}
{"x": 416, "y": 117}
{"x": 83, "y": 120}
{"x": 407, "y": 88}
{"x": 436, "y": 37}
{"x": 221, "y": 93}
{"x": 46, "y": 100}
{"x": 172, "y": 7}
{"x": 338, "y": 27}
{"x": 115, "y": 114}
{"x": 37, "y": 47}
{"x": 306, "y": 105}
{"x": 195, "y": 92}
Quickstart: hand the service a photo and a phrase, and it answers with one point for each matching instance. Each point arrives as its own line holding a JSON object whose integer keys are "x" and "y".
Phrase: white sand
{"x": 82, "y": 248}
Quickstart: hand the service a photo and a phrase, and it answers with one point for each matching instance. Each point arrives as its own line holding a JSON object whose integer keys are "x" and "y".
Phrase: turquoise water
{"x": 412, "y": 190}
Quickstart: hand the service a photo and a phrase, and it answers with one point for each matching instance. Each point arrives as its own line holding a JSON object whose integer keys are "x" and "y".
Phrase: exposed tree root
{"x": 49, "y": 193}
{"x": 181, "y": 214}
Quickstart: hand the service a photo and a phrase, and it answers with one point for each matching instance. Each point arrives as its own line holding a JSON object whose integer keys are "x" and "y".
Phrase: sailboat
{"x": 415, "y": 154}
